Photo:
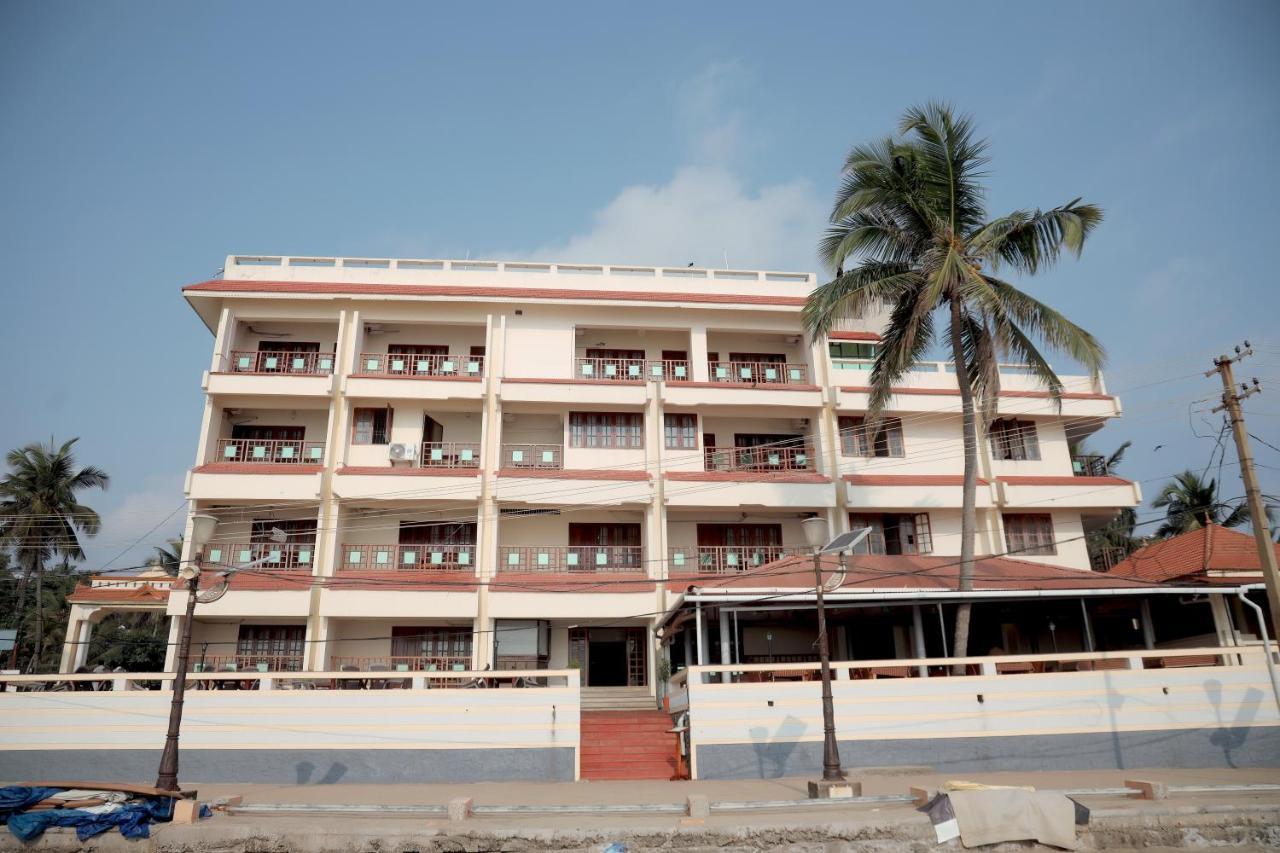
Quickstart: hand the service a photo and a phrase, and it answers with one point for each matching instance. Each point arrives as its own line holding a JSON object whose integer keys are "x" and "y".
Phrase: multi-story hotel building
{"x": 512, "y": 464}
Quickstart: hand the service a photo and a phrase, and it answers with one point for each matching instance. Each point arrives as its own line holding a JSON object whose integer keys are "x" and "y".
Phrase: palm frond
{"x": 870, "y": 285}
{"x": 1030, "y": 241}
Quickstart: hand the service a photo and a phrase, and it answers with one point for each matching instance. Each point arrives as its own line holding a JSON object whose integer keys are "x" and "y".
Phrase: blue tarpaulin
{"x": 15, "y": 798}
{"x": 134, "y": 818}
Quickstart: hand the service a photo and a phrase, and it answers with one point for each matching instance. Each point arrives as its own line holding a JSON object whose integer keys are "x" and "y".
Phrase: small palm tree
{"x": 168, "y": 557}
{"x": 910, "y": 234}
{"x": 1190, "y": 502}
{"x": 41, "y": 516}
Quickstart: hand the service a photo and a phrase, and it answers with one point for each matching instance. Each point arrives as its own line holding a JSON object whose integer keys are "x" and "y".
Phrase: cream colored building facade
{"x": 519, "y": 464}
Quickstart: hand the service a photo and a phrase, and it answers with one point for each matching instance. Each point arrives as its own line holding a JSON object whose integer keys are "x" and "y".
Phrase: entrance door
{"x": 609, "y": 657}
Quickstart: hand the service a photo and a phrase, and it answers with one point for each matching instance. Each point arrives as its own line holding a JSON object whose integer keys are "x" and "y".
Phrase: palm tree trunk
{"x": 968, "y": 511}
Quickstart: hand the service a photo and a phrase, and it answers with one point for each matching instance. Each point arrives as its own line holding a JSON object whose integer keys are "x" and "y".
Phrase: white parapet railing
{"x": 498, "y": 724}
{"x": 1087, "y": 709}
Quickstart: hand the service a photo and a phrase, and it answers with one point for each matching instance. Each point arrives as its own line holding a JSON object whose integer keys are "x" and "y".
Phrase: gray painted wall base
{"x": 1224, "y": 747}
{"x": 295, "y": 767}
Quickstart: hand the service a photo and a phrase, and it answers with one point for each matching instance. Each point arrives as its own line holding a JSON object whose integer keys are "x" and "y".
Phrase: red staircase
{"x": 627, "y": 745}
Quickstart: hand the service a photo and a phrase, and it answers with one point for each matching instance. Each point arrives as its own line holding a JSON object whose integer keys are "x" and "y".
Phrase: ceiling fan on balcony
{"x": 379, "y": 329}
{"x": 265, "y": 334}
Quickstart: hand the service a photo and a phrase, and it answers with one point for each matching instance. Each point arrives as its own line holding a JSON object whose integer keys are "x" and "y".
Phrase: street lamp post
{"x": 815, "y": 531}
{"x": 202, "y": 527}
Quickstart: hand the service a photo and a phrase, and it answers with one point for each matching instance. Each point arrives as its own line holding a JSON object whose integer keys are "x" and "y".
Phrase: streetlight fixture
{"x": 833, "y": 782}
{"x": 202, "y": 527}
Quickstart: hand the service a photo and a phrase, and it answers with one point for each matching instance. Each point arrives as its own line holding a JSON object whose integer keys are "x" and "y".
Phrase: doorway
{"x": 609, "y": 657}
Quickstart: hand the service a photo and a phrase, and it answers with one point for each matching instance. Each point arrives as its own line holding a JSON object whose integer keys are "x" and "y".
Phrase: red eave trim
{"x": 573, "y": 474}
{"x": 465, "y": 473}
{"x": 1064, "y": 481}
{"x": 357, "y": 289}
{"x": 584, "y": 582}
{"x": 749, "y": 386}
{"x": 256, "y": 468}
{"x": 853, "y": 336}
{"x": 419, "y": 378}
{"x": 908, "y": 479}
{"x": 746, "y": 477}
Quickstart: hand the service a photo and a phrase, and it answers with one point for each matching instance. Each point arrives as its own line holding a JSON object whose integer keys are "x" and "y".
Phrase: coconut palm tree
{"x": 1190, "y": 502}
{"x": 909, "y": 234}
{"x": 168, "y": 557}
{"x": 41, "y": 515}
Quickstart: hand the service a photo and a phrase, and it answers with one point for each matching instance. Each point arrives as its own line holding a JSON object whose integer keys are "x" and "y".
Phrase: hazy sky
{"x": 142, "y": 142}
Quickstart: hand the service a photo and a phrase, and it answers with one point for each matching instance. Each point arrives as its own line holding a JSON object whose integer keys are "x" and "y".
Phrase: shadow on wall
{"x": 305, "y": 770}
{"x": 773, "y": 755}
{"x": 1232, "y": 737}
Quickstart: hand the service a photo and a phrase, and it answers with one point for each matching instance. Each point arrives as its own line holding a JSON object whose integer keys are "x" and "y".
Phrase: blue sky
{"x": 142, "y": 142}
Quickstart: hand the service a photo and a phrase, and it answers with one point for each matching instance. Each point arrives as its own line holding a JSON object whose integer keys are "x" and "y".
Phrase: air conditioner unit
{"x": 402, "y": 451}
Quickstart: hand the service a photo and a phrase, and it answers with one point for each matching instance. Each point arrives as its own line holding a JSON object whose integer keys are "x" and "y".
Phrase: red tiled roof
{"x": 1065, "y": 481}
{"x": 574, "y": 474}
{"x": 853, "y": 336}
{"x": 892, "y": 572}
{"x": 747, "y": 477}
{"x": 908, "y": 479}
{"x": 571, "y": 582}
{"x": 1193, "y": 555}
{"x": 256, "y": 468}
{"x": 428, "y": 290}
{"x": 409, "y": 471}
{"x": 148, "y": 594}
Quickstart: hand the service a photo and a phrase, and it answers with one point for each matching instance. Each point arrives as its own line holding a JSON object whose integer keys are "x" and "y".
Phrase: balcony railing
{"x": 450, "y": 454}
{"x": 763, "y": 459}
{"x": 275, "y": 452}
{"x": 1089, "y": 466}
{"x": 286, "y": 555}
{"x": 532, "y": 456}
{"x": 1103, "y": 558}
{"x": 570, "y": 558}
{"x": 631, "y": 369}
{"x": 725, "y": 559}
{"x": 409, "y": 364}
{"x": 757, "y": 372}
{"x": 400, "y": 663}
{"x": 408, "y": 558}
{"x": 294, "y": 363}
{"x": 246, "y": 663}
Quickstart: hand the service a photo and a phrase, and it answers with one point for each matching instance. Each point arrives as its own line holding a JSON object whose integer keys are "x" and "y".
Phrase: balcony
{"x": 408, "y": 558}
{"x": 631, "y": 369}
{"x": 1089, "y": 466}
{"x": 544, "y": 456}
{"x": 244, "y": 663}
{"x": 289, "y": 556}
{"x": 450, "y": 454}
{"x": 270, "y": 451}
{"x": 587, "y": 559}
{"x": 420, "y": 366}
{"x": 763, "y": 459}
{"x": 288, "y": 363}
{"x": 400, "y": 663}
{"x": 725, "y": 559}
{"x": 758, "y": 373}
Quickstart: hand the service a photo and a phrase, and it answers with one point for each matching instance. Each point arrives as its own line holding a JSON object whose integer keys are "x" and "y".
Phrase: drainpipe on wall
{"x": 1266, "y": 644}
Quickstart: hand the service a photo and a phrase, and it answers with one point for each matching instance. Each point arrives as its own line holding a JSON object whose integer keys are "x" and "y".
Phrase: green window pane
{"x": 744, "y": 372}
{"x": 473, "y": 367}
{"x": 353, "y": 556}
{"x": 304, "y": 556}
{"x": 678, "y": 558}
{"x": 317, "y": 452}
{"x": 299, "y": 363}
{"x": 722, "y": 373}
{"x": 466, "y": 454}
{"x": 633, "y": 370}
{"x": 271, "y": 363}
{"x": 397, "y": 364}
{"x": 286, "y": 452}
{"x": 262, "y": 667}
{"x": 602, "y": 558}
{"x": 680, "y": 371}
{"x": 775, "y": 459}
{"x": 273, "y": 556}
{"x": 544, "y": 559}
{"x": 464, "y": 558}
{"x": 571, "y": 559}
{"x": 548, "y": 456}
{"x": 655, "y": 369}
{"x": 587, "y": 370}
{"x": 437, "y": 454}
{"x": 424, "y": 366}
{"x": 770, "y": 373}
{"x": 371, "y": 364}
{"x": 259, "y": 452}
{"x": 402, "y": 667}
{"x": 215, "y": 555}
{"x": 513, "y": 558}
{"x": 408, "y": 558}
{"x": 326, "y": 364}
{"x": 245, "y": 556}
{"x": 229, "y": 450}
{"x": 731, "y": 559}
{"x": 243, "y": 362}
{"x": 437, "y": 558}
{"x": 796, "y": 374}
{"x": 447, "y": 366}
{"x": 802, "y": 460}
{"x": 381, "y": 557}
{"x": 517, "y": 456}
{"x": 610, "y": 370}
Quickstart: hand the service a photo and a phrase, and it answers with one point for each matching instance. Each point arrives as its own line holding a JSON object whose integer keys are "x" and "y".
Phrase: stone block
{"x": 698, "y": 806}
{"x": 460, "y": 808}
{"x": 841, "y": 790}
{"x": 186, "y": 811}
{"x": 1150, "y": 788}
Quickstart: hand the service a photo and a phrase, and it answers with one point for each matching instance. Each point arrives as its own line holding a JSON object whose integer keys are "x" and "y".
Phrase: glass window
{"x": 369, "y": 426}
{"x": 851, "y": 349}
{"x": 681, "y": 432}
{"x": 894, "y": 533}
{"x": 1014, "y": 440}
{"x": 857, "y": 439}
{"x": 606, "y": 429}
{"x": 1026, "y": 534}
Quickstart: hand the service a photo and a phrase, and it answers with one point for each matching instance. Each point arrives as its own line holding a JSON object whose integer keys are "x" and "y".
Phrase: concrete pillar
{"x": 223, "y": 341}
{"x": 175, "y": 632}
{"x": 1148, "y": 627}
{"x": 725, "y": 652}
{"x": 1088, "y": 627}
{"x": 698, "y": 354}
{"x": 700, "y": 621}
{"x": 917, "y": 639}
{"x": 319, "y": 649}
{"x": 1222, "y": 621}
{"x": 688, "y": 647}
{"x": 84, "y": 635}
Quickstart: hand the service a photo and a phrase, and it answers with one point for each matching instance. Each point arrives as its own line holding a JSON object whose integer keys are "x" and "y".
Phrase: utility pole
{"x": 1231, "y": 399}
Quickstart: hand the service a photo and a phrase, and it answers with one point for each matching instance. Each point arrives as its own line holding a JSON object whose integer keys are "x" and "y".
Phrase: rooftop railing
{"x": 289, "y": 363}
{"x": 270, "y": 452}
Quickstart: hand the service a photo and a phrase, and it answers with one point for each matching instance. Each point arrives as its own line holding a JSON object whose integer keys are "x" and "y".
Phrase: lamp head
{"x": 202, "y": 527}
{"x": 815, "y": 531}
{"x": 188, "y": 571}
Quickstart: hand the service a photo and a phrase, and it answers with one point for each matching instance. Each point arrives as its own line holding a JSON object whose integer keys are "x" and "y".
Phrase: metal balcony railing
{"x": 763, "y": 459}
{"x": 617, "y": 369}
{"x": 272, "y": 452}
{"x": 450, "y": 454}
{"x": 246, "y": 663}
{"x": 725, "y": 559}
{"x": 570, "y": 558}
{"x": 532, "y": 456}
{"x": 425, "y": 366}
{"x": 408, "y": 558}
{"x": 285, "y": 555}
{"x": 1089, "y": 466}
{"x": 758, "y": 372}
{"x": 291, "y": 363}
{"x": 400, "y": 663}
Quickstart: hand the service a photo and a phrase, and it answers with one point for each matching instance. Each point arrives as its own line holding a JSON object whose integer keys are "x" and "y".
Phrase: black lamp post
{"x": 815, "y": 531}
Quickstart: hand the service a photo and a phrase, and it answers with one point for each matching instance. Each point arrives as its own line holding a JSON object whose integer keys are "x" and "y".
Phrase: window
{"x": 370, "y": 426}
{"x": 606, "y": 429}
{"x": 1014, "y": 440}
{"x": 421, "y": 642}
{"x": 1029, "y": 535}
{"x": 437, "y": 533}
{"x": 850, "y": 349}
{"x": 277, "y": 646}
{"x": 894, "y": 533}
{"x": 681, "y": 431}
{"x": 758, "y": 357}
{"x": 856, "y": 439}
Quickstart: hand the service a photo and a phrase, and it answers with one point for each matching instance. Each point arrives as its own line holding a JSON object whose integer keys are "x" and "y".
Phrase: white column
{"x": 223, "y": 341}
{"x": 917, "y": 639}
{"x": 1221, "y": 621}
{"x": 698, "y": 354}
{"x": 699, "y": 621}
{"x": 84, "y": 635}
{"x": 725, "y": 656}
{"x": 1148, "y": 627}
{"x": 175, "y": 633}
{"x": 1089, "y": 645}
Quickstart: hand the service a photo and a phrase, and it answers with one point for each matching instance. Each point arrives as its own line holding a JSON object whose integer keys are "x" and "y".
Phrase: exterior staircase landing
{"x": 617, "y": 699}
{"x": 627, "y": 745}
